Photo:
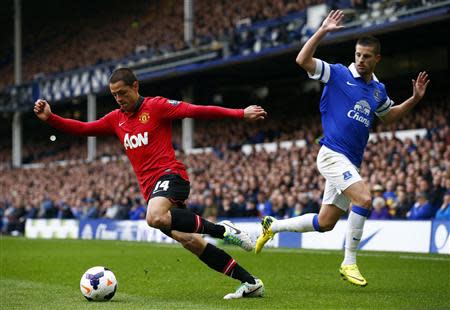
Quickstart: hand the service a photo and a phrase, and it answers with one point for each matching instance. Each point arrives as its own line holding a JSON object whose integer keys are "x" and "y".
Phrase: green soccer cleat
{"x": 266, "y": 233}
{"x": 233, "y": 235}
{"x": 351, "y": 274}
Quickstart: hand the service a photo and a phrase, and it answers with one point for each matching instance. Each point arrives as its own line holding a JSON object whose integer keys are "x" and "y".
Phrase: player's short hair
{"x": 370, "y": 41}
{"x": 123, "y": 74}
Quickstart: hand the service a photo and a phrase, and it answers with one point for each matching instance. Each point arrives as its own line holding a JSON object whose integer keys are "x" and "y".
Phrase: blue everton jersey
{"x": 348, "y": 107}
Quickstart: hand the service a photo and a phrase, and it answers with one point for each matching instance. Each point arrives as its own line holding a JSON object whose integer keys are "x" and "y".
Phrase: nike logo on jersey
{"x": 120, "y": 124}
{"x": 351, "y": 84}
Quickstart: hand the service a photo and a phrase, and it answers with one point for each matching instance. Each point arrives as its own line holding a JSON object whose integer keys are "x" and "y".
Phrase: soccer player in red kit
{"x": 144, "y": 126}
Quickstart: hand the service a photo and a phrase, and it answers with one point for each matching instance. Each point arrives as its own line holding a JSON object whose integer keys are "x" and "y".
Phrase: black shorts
{"x": 173, "y": 187}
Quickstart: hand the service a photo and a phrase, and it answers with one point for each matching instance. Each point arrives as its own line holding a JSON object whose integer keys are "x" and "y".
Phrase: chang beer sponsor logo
{"x": 360, "y": 112}
{"x": 135, "y": 141}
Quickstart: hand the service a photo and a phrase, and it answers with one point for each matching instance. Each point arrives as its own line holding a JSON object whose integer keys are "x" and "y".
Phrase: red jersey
{"x": 146, "y": 134}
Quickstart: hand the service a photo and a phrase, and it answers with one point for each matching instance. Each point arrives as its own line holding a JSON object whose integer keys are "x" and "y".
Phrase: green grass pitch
{"x": 45, "y": 274}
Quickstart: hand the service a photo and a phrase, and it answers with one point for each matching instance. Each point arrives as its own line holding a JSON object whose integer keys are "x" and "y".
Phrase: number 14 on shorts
{"x": 161, "y": 186}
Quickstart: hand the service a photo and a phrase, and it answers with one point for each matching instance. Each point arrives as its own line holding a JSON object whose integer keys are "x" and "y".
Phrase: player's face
{"x": 365, "y": 60}
{"x": 126, "y": 96}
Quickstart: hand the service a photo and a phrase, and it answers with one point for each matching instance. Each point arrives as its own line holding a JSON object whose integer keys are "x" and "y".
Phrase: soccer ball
{"x": 98, "y": 284}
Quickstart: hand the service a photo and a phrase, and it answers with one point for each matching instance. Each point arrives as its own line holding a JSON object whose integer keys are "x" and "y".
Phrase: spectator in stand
{"x": 444, "y": 211}
{"x": 379, "y": 210}
{"x": 227, "y": 210}
{"x": 377, "y": 191}
{"x": 137, "y": 212}
{"x": 389, "y": 195}
{"x": 263, "y": 205}
{"x": 31, "y": 211}
{"x": 422, "y": 210}
{"x": 211, "y": 210}
{"x": 15, "y": 215}
{"x": 48, "y": 209}
{"x": 196, "y": 204}
{"x": 437, "y": 191}
{"x": 64, "y": 210}
{"x": 239, "y": 204}
{"x": 308, "y": 205}
{"x": 250, "y": 209}
{"x": 410, "y": 193}
{"x": 91, "y": 210}
{"x": 400, "y": 208}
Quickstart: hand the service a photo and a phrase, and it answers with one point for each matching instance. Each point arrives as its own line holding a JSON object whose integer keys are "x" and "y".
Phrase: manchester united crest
{"x": 144, "y": 117}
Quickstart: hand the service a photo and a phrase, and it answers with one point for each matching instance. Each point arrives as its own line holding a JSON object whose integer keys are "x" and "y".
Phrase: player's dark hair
{"x": 123, "y": 74}
{"x": 370, "y": 41}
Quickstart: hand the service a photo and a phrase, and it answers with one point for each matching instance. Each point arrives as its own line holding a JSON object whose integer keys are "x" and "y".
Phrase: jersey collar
{"x": 355, "y": 73}
{"x": 137, "y": 106}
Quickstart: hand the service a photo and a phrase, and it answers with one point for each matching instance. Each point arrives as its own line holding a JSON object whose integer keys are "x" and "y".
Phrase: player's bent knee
{"x": 365, "y": 201}
{"x": 156, "y": 221}
{"x": 327, "y": 227}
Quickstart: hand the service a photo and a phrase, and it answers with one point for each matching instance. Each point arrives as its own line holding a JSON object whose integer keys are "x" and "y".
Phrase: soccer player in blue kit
{"x": 351, "y": 99}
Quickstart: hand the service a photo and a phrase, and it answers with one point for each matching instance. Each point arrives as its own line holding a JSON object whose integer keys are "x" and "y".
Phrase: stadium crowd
{"x": 409, "y": 179}
{"x": 79, "y": 41}
{"x": 224, "y": 134}
{"x": 84, "y": 38}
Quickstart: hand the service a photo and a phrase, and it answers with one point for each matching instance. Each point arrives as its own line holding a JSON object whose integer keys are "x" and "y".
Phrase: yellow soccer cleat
{"x": 266, "y": 233}
{"x": 351, "y": 274}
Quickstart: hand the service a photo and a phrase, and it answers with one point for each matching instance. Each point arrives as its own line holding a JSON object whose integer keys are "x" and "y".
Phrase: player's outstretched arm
{"x": 419, "y": 85}
{"x": 251, "y": 113}
{"x": 70, "y": 126}
{"x": 305, "y": 56}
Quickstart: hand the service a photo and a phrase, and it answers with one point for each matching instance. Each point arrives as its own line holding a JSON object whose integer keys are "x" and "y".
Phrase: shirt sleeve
{"x": 385, "y": 106}
{"x": 173, "y": 109}
{"x": 99, "y": 127}
{"x": 322, "y": 72}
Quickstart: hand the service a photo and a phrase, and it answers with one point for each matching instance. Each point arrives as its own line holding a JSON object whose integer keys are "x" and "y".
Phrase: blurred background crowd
{"x": 83, "y": 34}
{"x": 409, "y": 178}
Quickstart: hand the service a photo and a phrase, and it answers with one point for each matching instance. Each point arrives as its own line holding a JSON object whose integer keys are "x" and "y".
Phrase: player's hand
{"x": 333, "y": 20}
{"x": 254, "y": 113}
{"x": 42, "y": 109}
{"x": 420, "y": 85}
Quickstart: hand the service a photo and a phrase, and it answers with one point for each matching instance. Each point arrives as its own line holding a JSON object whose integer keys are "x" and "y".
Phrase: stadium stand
{"x": 227, "y": 182}
{"x": 241, "y": 27}
{"x": 407, "y": 176}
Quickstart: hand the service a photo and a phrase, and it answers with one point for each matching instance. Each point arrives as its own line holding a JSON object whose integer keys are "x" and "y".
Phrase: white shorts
{"x": 339, "y": 173}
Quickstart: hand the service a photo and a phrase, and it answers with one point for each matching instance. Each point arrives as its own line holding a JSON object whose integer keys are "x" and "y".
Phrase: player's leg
{"x": 344, "y": 177}
{"x": 330, "y": 165}
{"x": 330, "y": 212}
{"x": 220, "y": 261}
{"x": 360, "y": 196}
{"x": 171, "y": 190}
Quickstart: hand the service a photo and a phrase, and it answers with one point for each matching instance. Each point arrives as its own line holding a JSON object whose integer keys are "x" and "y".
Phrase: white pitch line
{"x": 366, "y": 254}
